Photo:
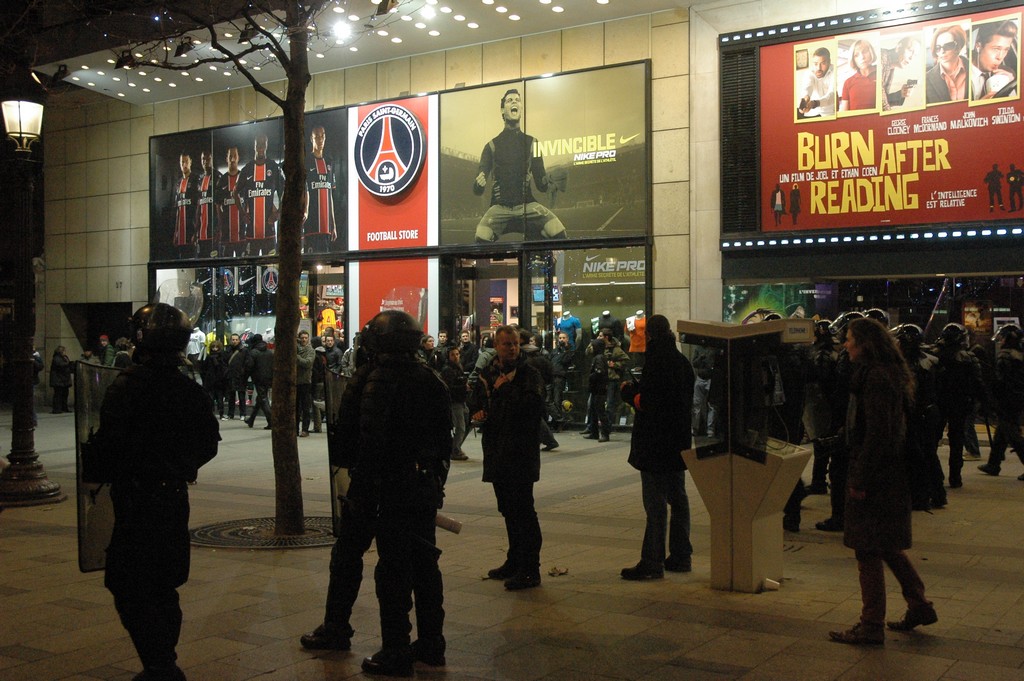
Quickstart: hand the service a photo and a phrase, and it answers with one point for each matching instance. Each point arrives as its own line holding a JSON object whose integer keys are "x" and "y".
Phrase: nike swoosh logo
{"x": 591, "y": 257}
{"x": 627, "y": 140}
{"x": 243, "y": 282}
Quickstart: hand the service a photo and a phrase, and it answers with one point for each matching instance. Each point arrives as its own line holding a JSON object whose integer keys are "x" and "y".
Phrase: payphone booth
{"x": 743, "y": 462}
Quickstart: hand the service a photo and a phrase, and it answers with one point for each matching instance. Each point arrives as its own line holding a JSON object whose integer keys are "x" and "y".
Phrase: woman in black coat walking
{"x": 877, "y": 515}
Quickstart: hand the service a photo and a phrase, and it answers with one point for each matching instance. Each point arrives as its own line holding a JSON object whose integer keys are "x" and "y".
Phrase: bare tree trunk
{"x": 287, "y": 478}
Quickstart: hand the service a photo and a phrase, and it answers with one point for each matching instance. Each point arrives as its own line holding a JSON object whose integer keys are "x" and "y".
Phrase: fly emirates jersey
{"x": 230, "y": 218}
{"x": 205, "y": 188}
{"x": 320, "y": 184}
{"x": 186, "y": 197}
{"x": 256, "y": 187}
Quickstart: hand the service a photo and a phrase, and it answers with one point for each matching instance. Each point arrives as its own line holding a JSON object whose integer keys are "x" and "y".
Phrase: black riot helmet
{"x": 842, "y": 321}
{"x": 910, "y": 337}
{"x": 823, "y": 329}
{"x": 954, "y": 335}
{"x": 879, "y": 314}
{"x": 392, "y": 332}
{"x": 1009, "y": 336}
{"x": 159, "y": 328}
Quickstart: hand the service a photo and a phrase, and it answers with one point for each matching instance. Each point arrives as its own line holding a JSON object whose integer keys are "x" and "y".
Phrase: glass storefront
{"x": 981, "y": 303}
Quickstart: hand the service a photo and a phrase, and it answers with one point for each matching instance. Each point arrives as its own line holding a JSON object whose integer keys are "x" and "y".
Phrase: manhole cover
{"x": 258, "y": 533}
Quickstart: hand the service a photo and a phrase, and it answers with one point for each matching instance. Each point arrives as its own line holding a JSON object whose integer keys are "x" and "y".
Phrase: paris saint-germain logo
{"x": 389, "y": 150}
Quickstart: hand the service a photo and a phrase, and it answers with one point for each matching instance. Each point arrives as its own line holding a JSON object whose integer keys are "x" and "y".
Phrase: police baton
{"x": 448, "y": 523}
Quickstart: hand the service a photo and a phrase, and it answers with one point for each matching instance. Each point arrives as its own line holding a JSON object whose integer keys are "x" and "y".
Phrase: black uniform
{"x": 1008, "y": 395}
{"x": 156, "y": 429}
{"x": 958, "y": 384}
{"x": 405, "y": 444}
{"x": 923, "y": 434}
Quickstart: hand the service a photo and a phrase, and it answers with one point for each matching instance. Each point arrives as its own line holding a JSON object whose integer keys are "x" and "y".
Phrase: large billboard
{"x": 563, "y": 157}
{"x": 905, "y": 125}
{"x": 217, "y": 193}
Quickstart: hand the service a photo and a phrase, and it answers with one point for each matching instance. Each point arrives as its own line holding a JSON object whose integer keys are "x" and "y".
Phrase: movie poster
{"x": 554, "y": 158}
{"x": 911, "y": 124}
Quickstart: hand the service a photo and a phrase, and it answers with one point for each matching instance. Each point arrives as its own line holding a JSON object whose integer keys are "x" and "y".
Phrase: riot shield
{"x": 334, "y": 386}
{"x": 95, "y": 508}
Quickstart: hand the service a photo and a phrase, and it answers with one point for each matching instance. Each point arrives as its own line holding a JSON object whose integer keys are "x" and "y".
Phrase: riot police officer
{"x": 1008, "y": 394}
{"x": 817, "y": 415}
{"x": 396, "y": 416}
{"x": 923, "y": 422}
{"x": 839, "y": 453}
{"x": 156, "y": 429}
{"x": 958, "y": 384}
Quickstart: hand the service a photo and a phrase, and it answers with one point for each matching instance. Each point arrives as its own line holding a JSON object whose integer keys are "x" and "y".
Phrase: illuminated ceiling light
{"x": 488, "y": 2}
{"x": 227, "y": 73}
{"x": 100, "y": 73}
{"x": 139, "y": 55}
{"x": 473, "y": 24}
{"x": 91, "y": 84}
{"x": 255, "y": 68}
{"x": 185, "y": 73}
{"x": 420, "y": 24}
{"x": 545, "y": 2}
{"x": 459, "y": 17}
{"x": 158, "y": 79}
{"x": 111, "y": 61}
{"x": 431, "y": 2}
{"x": 353, "y": 17}
{"x": 513, "y": 17}
{"x": 213, "y": 67}
{"x": 353, "y": 49}
{"x": 428, "y": 12}
{"x": 120, "y": 94}
{"x": 341, "y": 30}
{"x": 382, "y": 33}
{"x": 339, "y": 9}
{"x": 319, "y": 55}
{"x": 557, "y": 9}
{"x": 406, "y": 17}
{"x": 602, "y": 2}
{"x": 501, "y": 9}
{"x": 229, "y": 35}
{"x": 199, "y": 79}
{"x": 116, "y": 79}
{"x": 132, "y": 85}
{"x": 172, "y": 85}
{"x": 242, "y": 62}
{"x": 446, "y": 10}
{"x": 75, "y": 78}
{"x": 396, "y": 40}
{"x": 434, "y": 33}
{"x": 142, "y": 73}
{"x": 146, "y": 89}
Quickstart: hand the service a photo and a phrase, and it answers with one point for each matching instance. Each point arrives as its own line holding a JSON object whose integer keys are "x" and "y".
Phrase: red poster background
{"x": 942, "y": 195}
{"x": 393, "y": 285}
{"x": 408, "y": 210}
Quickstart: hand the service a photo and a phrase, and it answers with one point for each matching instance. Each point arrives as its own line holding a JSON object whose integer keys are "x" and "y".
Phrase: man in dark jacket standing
{"x": 508, "y": 400}
{"x": 661, "y": 431}
{"x": 239, "y": 365}
{"x": 262, "y": 378}
{"x": 156, "y": 429}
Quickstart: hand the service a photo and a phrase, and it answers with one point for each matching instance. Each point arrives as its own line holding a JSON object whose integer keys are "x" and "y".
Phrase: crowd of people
{"x": 872, "y": 401}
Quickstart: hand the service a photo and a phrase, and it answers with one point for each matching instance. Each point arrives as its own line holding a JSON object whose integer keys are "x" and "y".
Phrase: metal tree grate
{"x": 258, "y": 533}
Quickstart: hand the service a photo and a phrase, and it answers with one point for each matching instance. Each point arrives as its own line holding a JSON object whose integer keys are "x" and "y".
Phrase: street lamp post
{"x": 24, "y": 482}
